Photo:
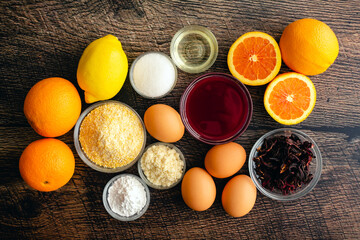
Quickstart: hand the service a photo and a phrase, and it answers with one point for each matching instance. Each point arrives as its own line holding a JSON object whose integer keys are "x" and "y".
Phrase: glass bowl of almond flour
{"x": 109, "y": 136}
{"x": 162, "y": 165}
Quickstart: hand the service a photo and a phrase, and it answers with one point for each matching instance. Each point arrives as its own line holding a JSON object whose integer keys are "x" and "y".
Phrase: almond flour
{"x": 162, "y": 165}
{"x": 111, "y": 135}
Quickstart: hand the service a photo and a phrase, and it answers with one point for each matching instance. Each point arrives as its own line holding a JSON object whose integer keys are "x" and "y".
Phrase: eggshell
{"x": 225, "y": 160}
{"x": 164, "y": 123}
{"x": 239, "y": 196}
{"x": 198, "y": 189}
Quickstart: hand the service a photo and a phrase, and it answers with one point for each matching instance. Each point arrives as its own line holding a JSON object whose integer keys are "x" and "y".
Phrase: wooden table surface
{"x": 45, "y": 39}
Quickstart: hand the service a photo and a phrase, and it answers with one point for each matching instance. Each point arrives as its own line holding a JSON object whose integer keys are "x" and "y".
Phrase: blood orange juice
{"x": 216, "y": 108}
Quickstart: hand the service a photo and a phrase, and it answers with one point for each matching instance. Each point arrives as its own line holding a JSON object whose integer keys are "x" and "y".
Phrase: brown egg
{"x": 198, "y": 189}
{"x": 239, "y": 196}
{"x": 164, "y": 123}
{"x": 225, "y": 160}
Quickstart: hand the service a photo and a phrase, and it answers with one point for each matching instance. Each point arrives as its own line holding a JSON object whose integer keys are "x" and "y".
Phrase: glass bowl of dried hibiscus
{"x": 285, "y": 164}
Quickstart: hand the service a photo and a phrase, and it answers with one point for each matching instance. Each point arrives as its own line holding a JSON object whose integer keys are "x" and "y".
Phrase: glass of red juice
{"x": 216, "y": 108}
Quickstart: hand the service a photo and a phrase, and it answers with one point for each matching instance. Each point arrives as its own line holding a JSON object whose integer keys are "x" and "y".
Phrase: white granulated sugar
{"x": 127, "y": 196}
{"x": 154, "y": 75}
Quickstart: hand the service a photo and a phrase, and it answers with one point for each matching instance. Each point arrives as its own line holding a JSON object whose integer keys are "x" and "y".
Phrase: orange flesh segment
{"x": 290, "y": 98}
{"x": 254, "y": 58}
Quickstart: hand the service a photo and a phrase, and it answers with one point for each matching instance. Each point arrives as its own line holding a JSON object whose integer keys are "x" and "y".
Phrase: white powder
{"x": 127, "y": 196}
{"x": 154, "y": 75}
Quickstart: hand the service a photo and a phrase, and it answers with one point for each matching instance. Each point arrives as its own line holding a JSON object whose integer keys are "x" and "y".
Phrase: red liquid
{"x": 217, "y": 107}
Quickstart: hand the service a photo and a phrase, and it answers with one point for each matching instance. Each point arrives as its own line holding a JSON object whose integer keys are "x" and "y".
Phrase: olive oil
{"x": 194, "y": 49}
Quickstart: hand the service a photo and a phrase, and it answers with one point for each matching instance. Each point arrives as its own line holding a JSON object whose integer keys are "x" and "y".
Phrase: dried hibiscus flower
{"x": 283, "y": 163}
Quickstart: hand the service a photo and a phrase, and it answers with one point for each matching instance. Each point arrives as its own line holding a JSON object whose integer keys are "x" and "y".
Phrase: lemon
{"x": 102, "y": 69}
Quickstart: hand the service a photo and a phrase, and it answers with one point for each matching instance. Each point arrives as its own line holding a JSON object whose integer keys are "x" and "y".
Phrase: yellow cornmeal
{"x": 111, "y": 135}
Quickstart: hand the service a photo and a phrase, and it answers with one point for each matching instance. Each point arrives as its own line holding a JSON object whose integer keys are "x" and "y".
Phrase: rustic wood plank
{"x": 43, "y": 39}
{"x": 334, "y": 200}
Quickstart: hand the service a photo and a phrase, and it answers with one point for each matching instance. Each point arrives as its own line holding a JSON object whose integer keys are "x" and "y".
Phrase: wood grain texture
{"x": 43, "y": 39}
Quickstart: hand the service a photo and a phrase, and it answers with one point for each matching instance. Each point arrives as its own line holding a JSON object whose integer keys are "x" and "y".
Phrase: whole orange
{"x": 52, "y": 106}
{"x": 47, "y": 164}
{"x": 308, "y": 46}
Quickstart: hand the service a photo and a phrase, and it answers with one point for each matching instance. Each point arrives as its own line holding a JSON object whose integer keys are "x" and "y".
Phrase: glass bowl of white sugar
{"x": 153, "y": 75}
{"x": 126, "y": 197}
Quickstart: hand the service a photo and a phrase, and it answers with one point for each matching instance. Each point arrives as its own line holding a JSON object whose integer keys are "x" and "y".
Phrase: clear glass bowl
{"x": 143, "y": 177}
{"x": 315, "y": 166}
{"x": 131, "y": 76}
{"x": 194, "y": 49}
{"x": 82, "y": 154}
{"x": 117, "y": 216}
{"x": 184, "y": 105}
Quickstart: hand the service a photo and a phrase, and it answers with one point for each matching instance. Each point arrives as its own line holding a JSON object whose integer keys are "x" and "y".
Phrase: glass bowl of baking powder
{"x": 126, "y": 197}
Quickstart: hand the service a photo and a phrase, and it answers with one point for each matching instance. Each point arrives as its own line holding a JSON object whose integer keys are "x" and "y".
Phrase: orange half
{"x": 254, "y": 58}
{"x": 290, "y": 98}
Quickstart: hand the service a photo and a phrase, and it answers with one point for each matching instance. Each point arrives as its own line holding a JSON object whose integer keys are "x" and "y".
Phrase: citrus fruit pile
{"x": 307, "y": 46}
{"x": 53, "y": 105}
